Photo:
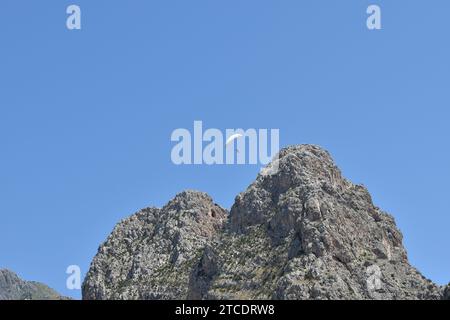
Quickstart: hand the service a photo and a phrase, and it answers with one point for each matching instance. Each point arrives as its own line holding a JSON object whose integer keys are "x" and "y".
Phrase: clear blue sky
{"x": 86, "y": 116}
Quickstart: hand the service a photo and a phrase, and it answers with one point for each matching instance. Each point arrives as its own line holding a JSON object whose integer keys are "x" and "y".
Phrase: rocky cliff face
{"x": 302, "y": 233}
{"x": 14, "y": 288}
{"x": 446, "y": 295}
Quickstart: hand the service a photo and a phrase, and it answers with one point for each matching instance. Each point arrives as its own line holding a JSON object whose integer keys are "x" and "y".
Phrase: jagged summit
{"x": 303, "y": 232}
{"x": 305, "y": 168}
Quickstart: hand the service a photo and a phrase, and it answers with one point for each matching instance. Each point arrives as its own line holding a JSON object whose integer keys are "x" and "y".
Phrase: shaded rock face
{"x": 302, "y": 233}
{"x": 14, "y": 288}
{"x": 446, "y": 295}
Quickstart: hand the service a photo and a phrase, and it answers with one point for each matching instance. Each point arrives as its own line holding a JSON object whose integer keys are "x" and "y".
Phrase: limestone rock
{"x": 446, "y": 294}
{"x": 150, "y": 255}
{"x": 304, "y": 232}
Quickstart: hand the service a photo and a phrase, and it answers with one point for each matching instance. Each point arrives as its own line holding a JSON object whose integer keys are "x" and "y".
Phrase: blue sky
{"x": 86, "y": 116}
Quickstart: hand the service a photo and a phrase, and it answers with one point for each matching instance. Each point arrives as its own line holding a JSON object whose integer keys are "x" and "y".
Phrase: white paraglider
{"x": 233, "y": 137}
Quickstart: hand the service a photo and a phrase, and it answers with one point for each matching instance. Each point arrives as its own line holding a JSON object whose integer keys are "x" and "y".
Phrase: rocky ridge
{"x": 14, "y": 288}
{"x": 304, "y": 232}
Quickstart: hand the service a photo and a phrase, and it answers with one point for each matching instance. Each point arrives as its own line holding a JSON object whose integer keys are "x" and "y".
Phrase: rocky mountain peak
{"x": 150, "y": 253}
{"x": 304, "y": 232}
{"x": 198, "y": 205}
{"x": 306, "y": 170}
